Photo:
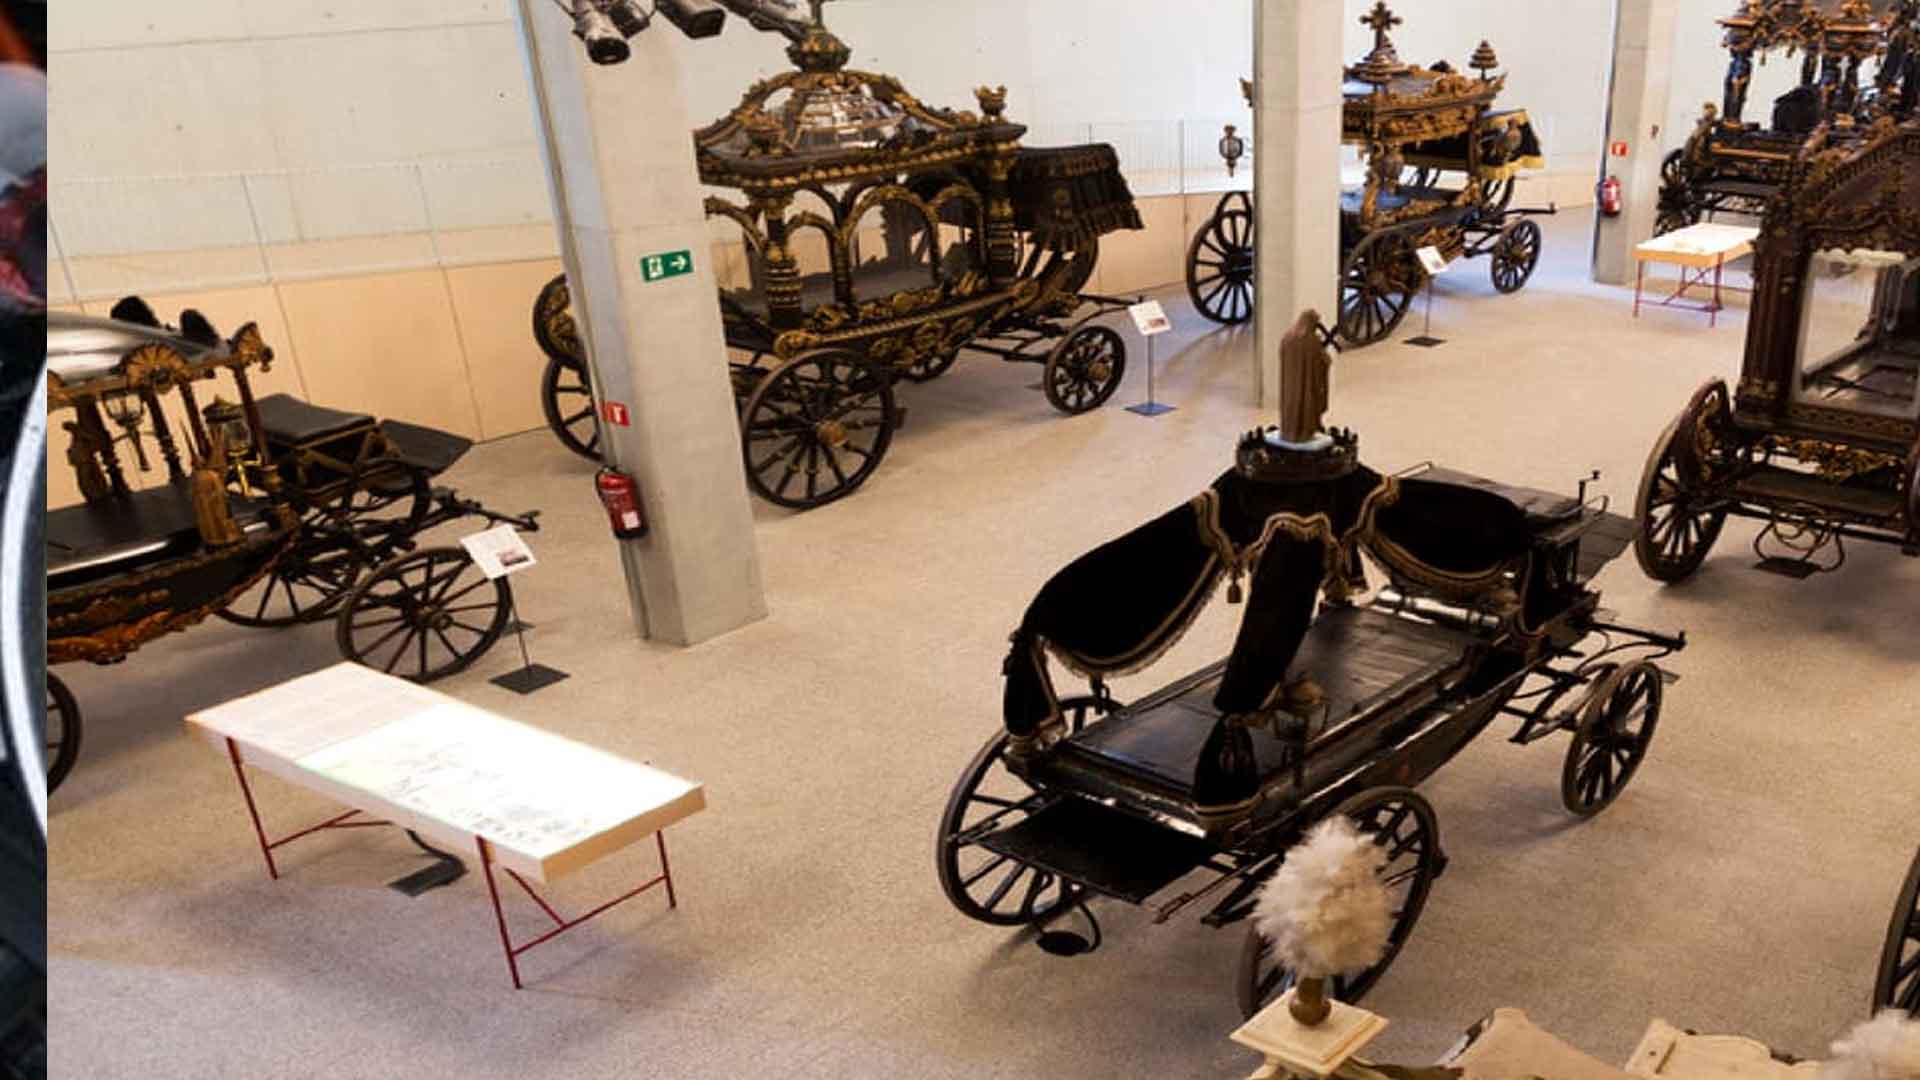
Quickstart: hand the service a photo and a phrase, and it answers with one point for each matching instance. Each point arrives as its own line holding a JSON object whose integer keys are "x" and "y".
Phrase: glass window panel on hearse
{"x": 1860, "y": 333}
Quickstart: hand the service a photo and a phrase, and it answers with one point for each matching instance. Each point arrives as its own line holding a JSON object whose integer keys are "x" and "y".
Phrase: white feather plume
{"x": 1886, "y": 1047}
{"x": 1325, "y": 912}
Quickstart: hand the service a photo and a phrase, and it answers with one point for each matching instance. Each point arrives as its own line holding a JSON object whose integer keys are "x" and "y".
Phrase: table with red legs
{"x": 1701, "y": 253}
{"x": 529, "y": 804}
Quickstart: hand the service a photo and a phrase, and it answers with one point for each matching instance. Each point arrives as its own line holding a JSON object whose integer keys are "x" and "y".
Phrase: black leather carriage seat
{"x": 118, "y": 534}
{"x": 1543, "y": 509}
{"x": 289, "y": 421}
{"x": 1365, "y": 660}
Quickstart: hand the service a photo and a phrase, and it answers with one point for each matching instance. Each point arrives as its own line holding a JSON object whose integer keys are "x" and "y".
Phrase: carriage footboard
{"x": 1106, "y": 851}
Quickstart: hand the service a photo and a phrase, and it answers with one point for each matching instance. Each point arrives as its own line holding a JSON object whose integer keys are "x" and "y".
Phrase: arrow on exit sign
{"x": 666, "y": 265}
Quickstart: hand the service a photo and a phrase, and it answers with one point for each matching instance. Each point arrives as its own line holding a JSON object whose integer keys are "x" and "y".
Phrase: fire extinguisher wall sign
{"x": 621, "y": 496}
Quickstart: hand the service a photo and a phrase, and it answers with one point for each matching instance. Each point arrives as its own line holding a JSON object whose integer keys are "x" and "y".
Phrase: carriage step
{"x": 1107, "y": 851}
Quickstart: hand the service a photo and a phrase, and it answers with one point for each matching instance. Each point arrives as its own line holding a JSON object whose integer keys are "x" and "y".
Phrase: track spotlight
{"x": 695, "y": 18}
{"x": 605, "y": 43}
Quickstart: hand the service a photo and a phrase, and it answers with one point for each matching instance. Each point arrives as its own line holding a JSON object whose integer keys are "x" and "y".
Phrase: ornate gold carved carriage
{"x": 1734, "y": 165}
{"x": 1821, "y": 439}
{"x": 1442, "y": 166}
{"x": 882, "y": 237}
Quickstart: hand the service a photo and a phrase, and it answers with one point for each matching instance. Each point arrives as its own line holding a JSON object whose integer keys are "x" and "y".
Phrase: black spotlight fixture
{"x": 695, "y": 18}
{"x": 593, "y": 25}
{"x": 628, "y": 16}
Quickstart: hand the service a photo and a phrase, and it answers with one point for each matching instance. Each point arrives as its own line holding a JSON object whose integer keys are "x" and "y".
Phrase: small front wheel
{"x": 1678, "y": 520}
{"x": 1515, "y": 255}
{"x": 567, "y": 401}
{"x": 1084, "y": 370}
{"x": 1616, "y": 727}
{"x": 424, "y": 615}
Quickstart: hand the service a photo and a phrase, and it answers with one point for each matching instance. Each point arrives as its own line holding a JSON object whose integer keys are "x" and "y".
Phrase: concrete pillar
{"x": 1636, "y": 114}
{"x": 1296, "y": 178}
{"x": 621, "y": 168}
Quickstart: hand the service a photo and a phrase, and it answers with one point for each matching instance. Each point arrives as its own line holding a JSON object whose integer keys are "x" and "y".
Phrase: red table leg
{"x": 1639, "y": 283}
{"x": 499, "y": 916}
{"x": 266, "y": 849}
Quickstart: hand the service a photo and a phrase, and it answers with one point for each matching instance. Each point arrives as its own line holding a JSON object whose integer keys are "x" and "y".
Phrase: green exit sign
{"x": 670, "y": 264}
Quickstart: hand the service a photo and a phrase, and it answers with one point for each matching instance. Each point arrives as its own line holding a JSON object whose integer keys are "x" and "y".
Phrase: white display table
{"x": 533, "y": 803}
{"x": 1697, "y": 250}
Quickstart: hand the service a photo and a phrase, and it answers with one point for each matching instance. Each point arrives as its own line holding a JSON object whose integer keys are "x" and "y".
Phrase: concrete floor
{"x": 1742, "y": 884}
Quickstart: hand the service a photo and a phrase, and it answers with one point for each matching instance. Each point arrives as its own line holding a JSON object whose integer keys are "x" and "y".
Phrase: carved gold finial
{"x": 992, "y": 99}
{"x": 1484, "y": 60}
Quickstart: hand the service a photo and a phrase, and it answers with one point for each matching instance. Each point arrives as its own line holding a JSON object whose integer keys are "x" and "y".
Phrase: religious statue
{"x": 1305, "y": 369}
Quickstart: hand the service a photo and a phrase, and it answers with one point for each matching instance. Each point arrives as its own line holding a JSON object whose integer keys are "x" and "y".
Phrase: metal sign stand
{"x": 530, "y": 676}
{"x": 1151, "y": 321}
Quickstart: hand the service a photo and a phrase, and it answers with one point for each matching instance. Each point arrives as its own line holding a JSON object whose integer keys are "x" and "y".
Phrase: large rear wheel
{"x": 63, "y": 731}
{"x": 1898, "y": 983}
{"x": 1220, "y": 267}
{"x": 1678, "y": 517}
{"x": 567, "y": 401}
{"x": 816, "y": 427}
{"x": 1377, "y": 285}
{"x": 982, "y": 885}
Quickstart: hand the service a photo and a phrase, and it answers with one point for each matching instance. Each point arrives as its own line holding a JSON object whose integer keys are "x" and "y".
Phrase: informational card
{"x": 1434, "y": 262}
{"x": 1150, "y": 318}
{"x": 499, "y": 551}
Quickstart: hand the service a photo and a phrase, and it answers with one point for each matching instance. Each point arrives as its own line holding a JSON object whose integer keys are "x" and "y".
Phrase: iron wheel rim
{"x": 1220, "y": 268}
{"x": 1372, "y": 305}
{"x": 1516, "y": 256}
{"x": 1897, "y": 985}
{"x": 1677, "y": 524}
{"x": 567, "y": 402}
{"x": 63, "y": 714}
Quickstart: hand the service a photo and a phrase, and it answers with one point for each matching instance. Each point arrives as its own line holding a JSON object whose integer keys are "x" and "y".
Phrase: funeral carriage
{"x": 882, "y": 239}
{"x": 272, "y": 512}
{"x": 1734, "y": 165}
{"x": 1819, "y": 441}
{"x": 1323, "y": 707}
{"x": 1441, "y": 168}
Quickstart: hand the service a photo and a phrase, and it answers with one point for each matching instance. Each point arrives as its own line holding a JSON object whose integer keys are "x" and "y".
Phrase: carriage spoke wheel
{"x": 62, "y": 731}
{"x": 1616, "y": 727}
{"x": 1678, "y": 523}
{"x": 1898, "y": 984}
{"x": 993, "y": 888}
{"x": 567, "y": 402}
{"x": 423, "y": 616}
{"x": 816, "y": 427}
{"x": 336, "y": 543}
{"x": 1402, "y": 824}
{"x": 1220, "y": 268}
{"x": 553, "y": 327}
{"x": 1083, "y": 371}
{"x": 1375, "y": 292}
{"x": 1515, "y": 255}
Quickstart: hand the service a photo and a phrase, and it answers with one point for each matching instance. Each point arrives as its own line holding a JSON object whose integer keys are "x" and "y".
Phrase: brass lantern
{"x": 1232, "y": 148}
{"x": 232, "y": 438}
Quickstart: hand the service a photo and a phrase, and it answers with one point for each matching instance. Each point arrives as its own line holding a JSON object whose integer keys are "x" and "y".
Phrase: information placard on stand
{"x": 1151, "y": 320}
{"x": 500, "y": 552}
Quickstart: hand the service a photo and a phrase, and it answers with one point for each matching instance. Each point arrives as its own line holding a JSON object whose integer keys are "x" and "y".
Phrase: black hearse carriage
{"x": 1340, "y": 706}
{"x": 1820, "y": 440}
{"x": 940, "y": 234}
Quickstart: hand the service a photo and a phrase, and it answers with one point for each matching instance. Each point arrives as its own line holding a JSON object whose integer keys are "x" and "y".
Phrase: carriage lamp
{"x": 1232, "y": 148}
{"x": 236, "y": 437}
{"x": 126, "y": 411}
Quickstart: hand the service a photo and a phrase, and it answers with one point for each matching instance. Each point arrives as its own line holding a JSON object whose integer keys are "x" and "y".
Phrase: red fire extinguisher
{"x": 1610, "y": 196}
{"x": 621, "y": 496}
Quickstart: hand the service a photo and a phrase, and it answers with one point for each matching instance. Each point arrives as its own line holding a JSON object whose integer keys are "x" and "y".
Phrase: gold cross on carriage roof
{"x": 1381, "y": 19}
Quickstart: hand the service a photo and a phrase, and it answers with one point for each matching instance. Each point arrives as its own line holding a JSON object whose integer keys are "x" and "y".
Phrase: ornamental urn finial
{"x": 1484, "y": 60}
{"x": 993, "y": 101}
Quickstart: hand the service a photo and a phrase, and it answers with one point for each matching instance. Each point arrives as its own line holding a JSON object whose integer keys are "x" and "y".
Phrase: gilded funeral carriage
{"x": 1731, "y": 164}
{"x": 1441, "y": 169}
{"x": 273, "y": 512}
{"x": 883, "y": 237}
{"x": 1820, "y": 439}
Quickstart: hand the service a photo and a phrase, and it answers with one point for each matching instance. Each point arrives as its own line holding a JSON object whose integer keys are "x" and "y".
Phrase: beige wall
{"x": 453, "y": 348}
